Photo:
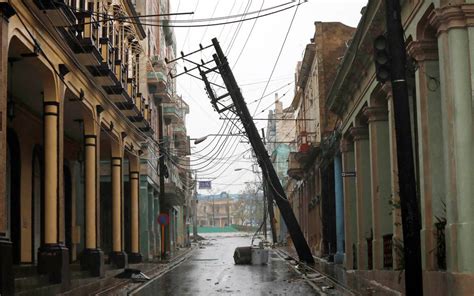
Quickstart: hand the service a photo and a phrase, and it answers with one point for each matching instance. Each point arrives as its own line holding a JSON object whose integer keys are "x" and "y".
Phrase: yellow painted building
{"x": 80, "y": 94}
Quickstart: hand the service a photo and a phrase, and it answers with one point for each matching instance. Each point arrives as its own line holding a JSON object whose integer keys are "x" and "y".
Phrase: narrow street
{"x": 211, "y": 271}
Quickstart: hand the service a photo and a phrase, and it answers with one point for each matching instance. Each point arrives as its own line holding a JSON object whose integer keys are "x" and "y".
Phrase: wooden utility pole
{"x": 406, "y": 170}
{"x": 240, "y": 108}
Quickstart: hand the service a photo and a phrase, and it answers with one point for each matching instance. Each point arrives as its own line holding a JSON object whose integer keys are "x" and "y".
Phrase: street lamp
{"x": 202, "y": 139}
{"x": 243, "y": 169}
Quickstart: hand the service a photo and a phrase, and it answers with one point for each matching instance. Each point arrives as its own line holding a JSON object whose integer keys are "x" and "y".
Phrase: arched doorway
{"x": 13, "y": 192}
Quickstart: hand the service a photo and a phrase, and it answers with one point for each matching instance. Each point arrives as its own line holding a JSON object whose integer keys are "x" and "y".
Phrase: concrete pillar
{"x": 92, "y": 258}
{"x": 53, "y": 257}
{"x": 397, "y": 238}
{"x": 6, "y": 262}
{"x": 363, "y": 194}
{"x": 339, "y": 257}
{"x": 135, "y": 256}
{"x": 118, "y": 257}
{"x": 117, "y": 204}
{"x": 51, "y": 171}
{"x": 350, "y": 213}
{"x": 432, "y": 170}
{"x": 145, "y": 242}
{"x": 90, "y": 171}
{"x": 456, "y": 44}
{"x": 151, "y": 222}
{"x": 380, "y": 181}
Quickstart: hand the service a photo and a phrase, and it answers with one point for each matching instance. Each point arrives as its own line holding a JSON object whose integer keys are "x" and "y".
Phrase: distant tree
{"x": 249, "y": 206}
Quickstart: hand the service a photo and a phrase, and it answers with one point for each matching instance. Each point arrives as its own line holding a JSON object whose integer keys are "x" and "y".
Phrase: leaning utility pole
{"x": 406, "y": 169}
{"x": 240, "y": 108}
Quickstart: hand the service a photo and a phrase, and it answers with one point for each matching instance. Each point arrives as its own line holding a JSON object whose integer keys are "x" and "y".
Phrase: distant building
{"x": 280, "y": 142}
{"x": 216, "y": 210}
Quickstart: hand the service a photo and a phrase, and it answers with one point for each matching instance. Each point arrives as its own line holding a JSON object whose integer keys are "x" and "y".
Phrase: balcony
{"x": 141, "y": 122}
{"x": 157, "y": 79}
{"x": 84, "y": 39}
{"x": 183, "y": 147}
{"x": 180, "y": 133}
{"x": 174, "y": 196}
{"x": 157, "y": 75}
{"x": 163, "y": 96}
{"x": 57, "y": 11}
{"x": 295, "y": 168}
{"x": 171, "y": 113}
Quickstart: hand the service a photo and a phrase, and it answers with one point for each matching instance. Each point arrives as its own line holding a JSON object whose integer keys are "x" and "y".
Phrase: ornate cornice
{"x": 375, "y": 114}
{"x": 452, "y": 16}
{"x": 359, "y": 133}
{"x": 423, "y": 50}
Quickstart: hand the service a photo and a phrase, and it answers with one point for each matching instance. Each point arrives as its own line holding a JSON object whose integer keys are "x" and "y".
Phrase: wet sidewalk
{"x": 112, "y": 285}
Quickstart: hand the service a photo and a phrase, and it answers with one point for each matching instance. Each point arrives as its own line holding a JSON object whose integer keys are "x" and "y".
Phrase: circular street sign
{"x": 163, "y": 219}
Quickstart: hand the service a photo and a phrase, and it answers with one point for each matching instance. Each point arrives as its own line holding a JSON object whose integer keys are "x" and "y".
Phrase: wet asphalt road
{"x": 211, "y": 271}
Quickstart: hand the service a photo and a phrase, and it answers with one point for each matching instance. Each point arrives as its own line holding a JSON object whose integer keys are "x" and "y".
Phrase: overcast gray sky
{"x": 252, "y": 71}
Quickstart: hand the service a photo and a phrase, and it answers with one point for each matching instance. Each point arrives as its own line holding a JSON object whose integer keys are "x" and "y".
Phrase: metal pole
{"x": 271, "y": 214}
{"x": 161, "y": 171}
{"x": 406, "y": 169}
{"x": 264, "y": 212}
{"x": 195, "y": 232}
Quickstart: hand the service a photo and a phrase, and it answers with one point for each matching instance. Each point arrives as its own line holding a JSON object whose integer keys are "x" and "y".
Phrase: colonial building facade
{"x": 312, "y": 190}
{"x": 81, "y": 91}
{"x": 362, "y": 148}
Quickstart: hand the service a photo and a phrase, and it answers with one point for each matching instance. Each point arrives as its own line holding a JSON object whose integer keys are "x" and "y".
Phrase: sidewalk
{"x": 348, "y": 282}
{"x": 110, "y": 285}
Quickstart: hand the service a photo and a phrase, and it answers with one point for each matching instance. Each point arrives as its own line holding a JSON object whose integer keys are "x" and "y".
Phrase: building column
{"x": 432, "y": 170}
{"x": 92, "y": 258}
{"x": 339, "y": 257}
{"x": 380, "y": 180}
{"x": 145, "y": 236}
{"x": 6, "y": 262}
{"x": 151, "y": 220}
{"x": 135, "y": 256}
{"x": 363, "y": 195}
{"x": 397, "y": 238}
{"x": 118, "y": 257}
{"x": 456, "y": 47}
{"x": 349, "y": 193}
{"x": 53, "y": 257}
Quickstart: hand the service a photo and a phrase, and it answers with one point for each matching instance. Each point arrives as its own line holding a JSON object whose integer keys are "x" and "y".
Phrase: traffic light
{"x": 382, "y": 58}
